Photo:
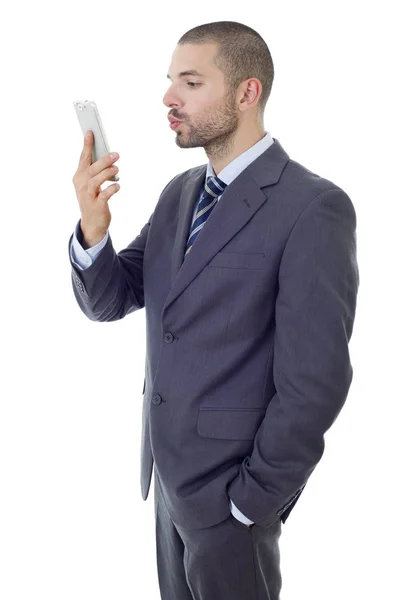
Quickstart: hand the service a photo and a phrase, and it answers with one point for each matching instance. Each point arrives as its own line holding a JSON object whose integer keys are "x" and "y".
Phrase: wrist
{"x": 91, "y": 238}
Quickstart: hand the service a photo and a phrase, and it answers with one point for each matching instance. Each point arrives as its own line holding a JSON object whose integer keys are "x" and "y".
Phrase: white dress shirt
{"x": 82, "y": 258}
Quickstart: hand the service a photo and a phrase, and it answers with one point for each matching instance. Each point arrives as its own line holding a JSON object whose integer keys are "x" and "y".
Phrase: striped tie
{"x": 212, "y": 189}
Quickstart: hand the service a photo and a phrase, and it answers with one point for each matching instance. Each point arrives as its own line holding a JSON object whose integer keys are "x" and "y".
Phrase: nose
{"x": 170, "y": 100}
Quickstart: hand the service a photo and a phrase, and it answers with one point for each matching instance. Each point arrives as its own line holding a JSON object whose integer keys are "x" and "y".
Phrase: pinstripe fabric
{"x": 212, "y": 189}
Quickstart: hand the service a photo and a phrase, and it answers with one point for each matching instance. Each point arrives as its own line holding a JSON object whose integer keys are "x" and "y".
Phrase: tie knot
{"x": 215, "y": 184}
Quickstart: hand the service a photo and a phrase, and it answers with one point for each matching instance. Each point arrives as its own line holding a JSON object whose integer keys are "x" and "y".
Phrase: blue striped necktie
{"x": 212, "y": 189}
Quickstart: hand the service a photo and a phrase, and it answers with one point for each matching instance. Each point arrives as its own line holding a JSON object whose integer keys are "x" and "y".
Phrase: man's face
{"x": 208, "y": 112}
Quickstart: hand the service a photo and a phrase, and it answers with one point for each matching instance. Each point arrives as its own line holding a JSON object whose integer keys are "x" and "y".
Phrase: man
{"x": 247, "y": 268}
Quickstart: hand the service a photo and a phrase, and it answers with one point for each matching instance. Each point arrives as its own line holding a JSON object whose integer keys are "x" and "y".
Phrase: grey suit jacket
{"x": 247, "y": 358}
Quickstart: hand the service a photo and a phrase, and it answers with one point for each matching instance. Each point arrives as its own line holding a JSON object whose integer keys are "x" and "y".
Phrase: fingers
{"x": 99, "y": 171}
{"x": 86, "y": 156}
{"x": 108, "y": 192}
{"x": 104, "y": 175}
{"x": 105, "y": 162}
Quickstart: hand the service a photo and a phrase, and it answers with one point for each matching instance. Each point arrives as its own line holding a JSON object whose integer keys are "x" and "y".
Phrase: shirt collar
{"x": 236, "y": 166}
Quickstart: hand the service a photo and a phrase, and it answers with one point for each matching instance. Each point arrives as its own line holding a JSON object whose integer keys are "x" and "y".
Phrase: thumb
{"x": 86, "y": 155}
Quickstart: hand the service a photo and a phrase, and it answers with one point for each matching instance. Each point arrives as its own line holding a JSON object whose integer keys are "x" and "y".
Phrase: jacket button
{"x": 168, "y": 337}
{"x": 156, "y": 399}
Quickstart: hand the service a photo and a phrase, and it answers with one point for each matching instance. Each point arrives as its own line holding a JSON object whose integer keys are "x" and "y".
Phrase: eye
{"x": 192, "y": 84}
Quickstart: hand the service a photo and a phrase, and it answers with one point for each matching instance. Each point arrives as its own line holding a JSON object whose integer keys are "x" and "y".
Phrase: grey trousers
{"x": 227, "y": 561}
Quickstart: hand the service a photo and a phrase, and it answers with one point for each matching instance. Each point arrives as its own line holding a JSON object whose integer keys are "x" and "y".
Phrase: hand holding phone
{"x": 93, "y": 202}
{"x": 89, "y": 120}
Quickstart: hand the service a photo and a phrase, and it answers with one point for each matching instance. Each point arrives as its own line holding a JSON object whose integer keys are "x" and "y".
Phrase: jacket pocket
{"x": 229, "y": 423}
{"x": 239, "y": 260}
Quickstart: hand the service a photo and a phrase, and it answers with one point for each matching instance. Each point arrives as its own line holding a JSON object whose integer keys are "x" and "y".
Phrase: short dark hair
{"x": 241, "y": 54}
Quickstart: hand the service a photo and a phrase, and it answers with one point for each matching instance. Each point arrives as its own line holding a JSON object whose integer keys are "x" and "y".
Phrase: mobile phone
{"x": 89, "y": 118}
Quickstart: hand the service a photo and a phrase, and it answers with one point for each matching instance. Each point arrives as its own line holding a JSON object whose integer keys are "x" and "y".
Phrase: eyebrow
{"x": 189, "y": 72}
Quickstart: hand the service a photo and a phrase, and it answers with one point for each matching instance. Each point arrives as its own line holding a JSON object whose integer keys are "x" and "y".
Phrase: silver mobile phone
{"x": 89, "y": 118}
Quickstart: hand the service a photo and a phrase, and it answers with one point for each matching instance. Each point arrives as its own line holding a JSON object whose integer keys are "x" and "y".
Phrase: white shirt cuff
{"x": 239, "y": 515}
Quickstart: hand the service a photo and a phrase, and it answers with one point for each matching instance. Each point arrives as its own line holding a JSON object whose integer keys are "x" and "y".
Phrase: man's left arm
{"x": 314, "y": 317}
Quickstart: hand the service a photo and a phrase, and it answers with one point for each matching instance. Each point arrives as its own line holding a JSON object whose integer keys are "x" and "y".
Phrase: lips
{"x": 172, "y": 120}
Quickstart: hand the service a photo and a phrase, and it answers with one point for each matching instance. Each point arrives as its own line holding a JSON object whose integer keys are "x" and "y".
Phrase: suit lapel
{"x": 190, "y": 192}
{"x": 238, "y": 203}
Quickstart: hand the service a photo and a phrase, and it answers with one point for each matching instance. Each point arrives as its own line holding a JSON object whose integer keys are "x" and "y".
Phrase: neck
{"x": 233, "y": 148}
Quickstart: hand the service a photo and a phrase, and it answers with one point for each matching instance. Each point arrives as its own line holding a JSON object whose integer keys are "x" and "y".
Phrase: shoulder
{"x": 302, "y": 188}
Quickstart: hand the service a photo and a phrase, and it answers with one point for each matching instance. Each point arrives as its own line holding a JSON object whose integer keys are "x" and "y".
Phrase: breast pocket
{"x": 238, "y": 260}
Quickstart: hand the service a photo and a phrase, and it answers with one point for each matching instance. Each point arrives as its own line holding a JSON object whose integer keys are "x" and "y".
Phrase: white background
{"x": 72, "y": 520}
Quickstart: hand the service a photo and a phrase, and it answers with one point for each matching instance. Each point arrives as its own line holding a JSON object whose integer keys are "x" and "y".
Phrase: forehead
{"x": 193, "y": 59}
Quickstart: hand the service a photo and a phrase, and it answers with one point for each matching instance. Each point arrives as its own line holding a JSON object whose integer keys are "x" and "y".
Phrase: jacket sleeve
{"x": 112, "y": 286}
{"x": 314, "y": 316}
